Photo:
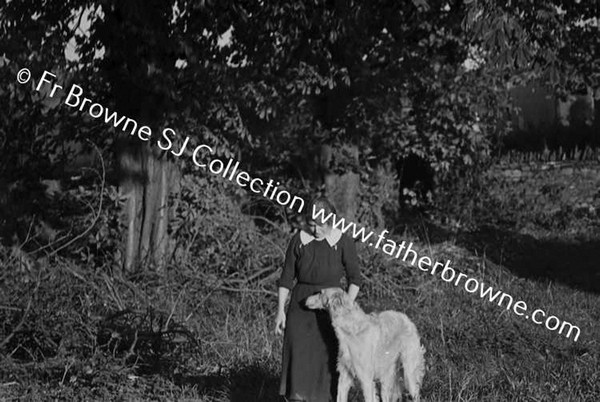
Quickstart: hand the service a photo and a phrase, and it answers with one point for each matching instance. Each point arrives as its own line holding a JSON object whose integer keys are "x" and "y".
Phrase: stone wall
{"x": 548, "y": 187}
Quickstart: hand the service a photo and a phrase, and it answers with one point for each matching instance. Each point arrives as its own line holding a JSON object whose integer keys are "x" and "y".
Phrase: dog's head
{"x": 331, "y": 299}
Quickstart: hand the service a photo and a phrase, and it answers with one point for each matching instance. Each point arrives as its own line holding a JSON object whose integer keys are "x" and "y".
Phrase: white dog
{"x": 371, "y": 346}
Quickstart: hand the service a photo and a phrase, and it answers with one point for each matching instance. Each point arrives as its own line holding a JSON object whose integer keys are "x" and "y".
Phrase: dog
{"x": 371, "y": 346}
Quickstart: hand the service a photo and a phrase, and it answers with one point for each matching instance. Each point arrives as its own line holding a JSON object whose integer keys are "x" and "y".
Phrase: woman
{"x": 317, "y": 259}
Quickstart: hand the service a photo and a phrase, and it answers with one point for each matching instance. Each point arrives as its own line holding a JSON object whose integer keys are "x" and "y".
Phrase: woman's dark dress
{"x": 309, "y": 344}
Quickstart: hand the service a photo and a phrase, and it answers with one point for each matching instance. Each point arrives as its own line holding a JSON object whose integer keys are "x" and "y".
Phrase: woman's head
{"x": 317, "y": 225}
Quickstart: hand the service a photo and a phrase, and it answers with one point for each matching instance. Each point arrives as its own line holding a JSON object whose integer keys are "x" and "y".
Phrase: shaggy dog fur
{"x": 371, "y": 347}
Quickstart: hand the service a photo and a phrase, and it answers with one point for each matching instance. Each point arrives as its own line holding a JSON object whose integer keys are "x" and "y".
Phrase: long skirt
{"x": 308, "y": 368}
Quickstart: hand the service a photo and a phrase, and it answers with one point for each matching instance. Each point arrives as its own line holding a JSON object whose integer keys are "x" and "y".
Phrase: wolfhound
{"x": 371, "y": 346}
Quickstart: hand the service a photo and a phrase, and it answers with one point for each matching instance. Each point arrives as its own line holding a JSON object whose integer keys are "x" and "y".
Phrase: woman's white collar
{"x": 332, "y": 238}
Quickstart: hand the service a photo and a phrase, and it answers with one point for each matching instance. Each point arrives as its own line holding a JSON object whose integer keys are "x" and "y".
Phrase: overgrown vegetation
{"x": 78, "y": 330}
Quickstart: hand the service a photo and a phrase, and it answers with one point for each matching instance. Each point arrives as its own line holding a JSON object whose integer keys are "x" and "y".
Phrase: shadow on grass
{"x": 573, "y": 263}
{"x": 251, "y": 383}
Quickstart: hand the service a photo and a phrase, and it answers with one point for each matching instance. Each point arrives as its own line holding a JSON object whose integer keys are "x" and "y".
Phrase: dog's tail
{"x": 413, "y": 363}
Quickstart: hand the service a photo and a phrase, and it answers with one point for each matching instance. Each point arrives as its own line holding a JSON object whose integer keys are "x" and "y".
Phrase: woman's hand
{"x": 280, "y": 320}
{"x": 280, "y": 323}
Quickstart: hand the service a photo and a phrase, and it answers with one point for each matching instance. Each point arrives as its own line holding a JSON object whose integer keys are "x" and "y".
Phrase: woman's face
{"x": 319, "y": 230}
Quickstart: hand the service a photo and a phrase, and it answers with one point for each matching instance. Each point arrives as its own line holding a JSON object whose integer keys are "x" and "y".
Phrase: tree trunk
{"x": 132, "y": 194}
{"x": 342, "y": 188}
{"x": 139, "y": 73}
{"x": 161, "y": 240}
{"x": 147, "y": 210}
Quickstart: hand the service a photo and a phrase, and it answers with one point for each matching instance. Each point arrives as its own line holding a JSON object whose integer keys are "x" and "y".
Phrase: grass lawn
{"x": 476, "y": 350}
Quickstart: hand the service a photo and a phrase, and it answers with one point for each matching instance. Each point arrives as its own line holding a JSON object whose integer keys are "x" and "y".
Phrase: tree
{"x": 383, "y": 77}
{"x": 384, "y": 80}
{"x": 143, "y": 42}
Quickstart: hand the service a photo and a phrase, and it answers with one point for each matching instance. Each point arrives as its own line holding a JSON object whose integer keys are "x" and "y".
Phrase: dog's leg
{"x": 344, "y": 385}
{"x": 413, "y": 363}
{"x": 368, "y": 386}
{"x": 390, "y": 387}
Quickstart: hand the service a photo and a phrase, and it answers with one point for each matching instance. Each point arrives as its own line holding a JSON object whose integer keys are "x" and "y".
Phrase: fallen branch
{"x": 228, "y": 289}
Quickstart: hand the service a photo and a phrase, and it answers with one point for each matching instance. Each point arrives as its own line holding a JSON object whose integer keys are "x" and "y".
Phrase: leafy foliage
{"x": 387, "y": 77}
{"x": 556, "y": 42}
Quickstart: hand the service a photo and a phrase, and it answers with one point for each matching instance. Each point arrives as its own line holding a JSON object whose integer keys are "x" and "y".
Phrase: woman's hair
{"x": 318, "y": 204}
